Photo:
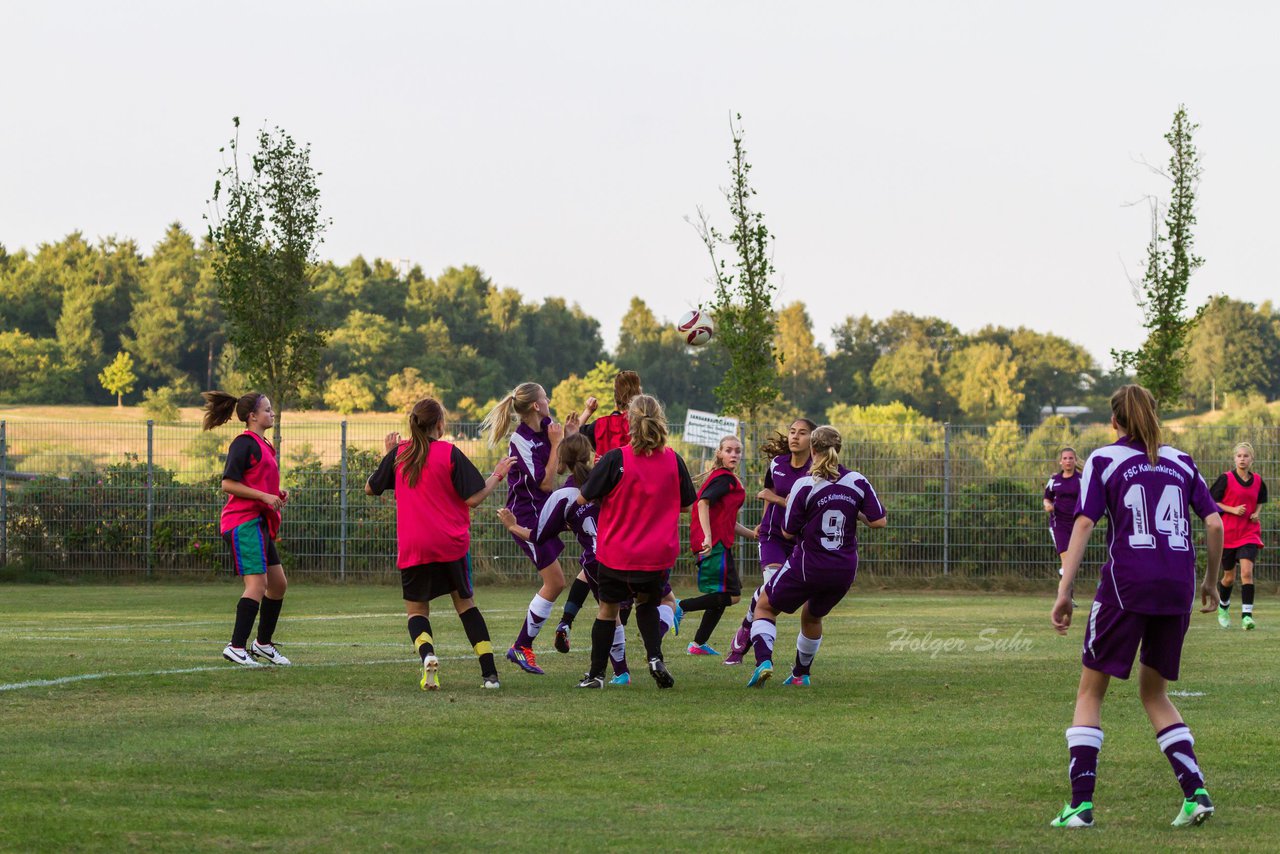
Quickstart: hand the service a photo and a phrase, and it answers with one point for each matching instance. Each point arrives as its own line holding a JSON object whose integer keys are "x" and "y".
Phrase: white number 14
{"x": 1169, "y": 519}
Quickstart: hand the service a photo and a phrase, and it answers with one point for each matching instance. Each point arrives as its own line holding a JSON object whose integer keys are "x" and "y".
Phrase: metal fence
{"x": 122, "y": 497}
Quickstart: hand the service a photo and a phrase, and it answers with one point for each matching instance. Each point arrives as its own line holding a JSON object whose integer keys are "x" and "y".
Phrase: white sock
{"x": 539, "y": 610}
{"x": 666, "y": 615}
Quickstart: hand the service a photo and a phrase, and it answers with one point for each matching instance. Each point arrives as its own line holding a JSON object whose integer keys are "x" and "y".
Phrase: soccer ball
{"x": 696, "y": 327}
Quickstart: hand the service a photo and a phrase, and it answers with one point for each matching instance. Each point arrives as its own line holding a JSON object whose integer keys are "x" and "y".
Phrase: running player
{"x": 250, "y": 523}
{"x": 605, "y": 433}
{"x": 1145, "y": 594}
{"x": 789, "y": 461}
{"x": 1060, "y": 495}
{"x": 436, "y": 486}
{"x": 822, "y": 514}
{"x": 1239, "y": 494}
{"x": 642, "y": 489}
{"x": 531, "y": 480}
{"x": 711, "y": 533}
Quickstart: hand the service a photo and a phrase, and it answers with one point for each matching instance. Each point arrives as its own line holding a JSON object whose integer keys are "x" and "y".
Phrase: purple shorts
{"x": 542, "y": 555}
{"x": 790, "y": 588}
{"x": 1061, "y": 536}
{"x": 775, "y": 550}
{"x": 1113, "y": 635}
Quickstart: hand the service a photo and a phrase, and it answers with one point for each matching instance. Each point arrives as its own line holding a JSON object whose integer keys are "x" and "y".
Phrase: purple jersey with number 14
{"x": 1151, "y": 561}
{"x": 823, "y": 517}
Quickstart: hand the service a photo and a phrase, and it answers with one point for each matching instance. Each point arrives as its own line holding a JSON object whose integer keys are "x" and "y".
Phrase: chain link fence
{"x": 143, "y": 498}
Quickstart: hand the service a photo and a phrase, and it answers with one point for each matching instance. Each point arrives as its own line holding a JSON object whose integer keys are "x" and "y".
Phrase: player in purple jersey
{"x": 1146, "y": 590}
{"x": 789, "y": 461}
{"x": 563, "y": 512}
{"x": 822, "y": 515}
{"x": 1060, "y": 495}
{"x": 531, "y": 480}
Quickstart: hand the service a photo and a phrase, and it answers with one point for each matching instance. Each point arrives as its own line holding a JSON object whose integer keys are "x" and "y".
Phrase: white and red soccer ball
{"x": 696, "y": 327}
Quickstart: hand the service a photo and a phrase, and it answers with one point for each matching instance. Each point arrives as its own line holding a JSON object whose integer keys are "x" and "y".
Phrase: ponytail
{"x": 219, "y": 406}
{"x": 497, "y": 424}
{"x": 825, "y": 442}
{"x": 648, "y": 424}
{"x": 775, "y": 446}
{"x": 427, "y": 414}
{"x": 1134, "y": 410}
{"x": 626, "y": 385}
{"x": 577, "y": 455}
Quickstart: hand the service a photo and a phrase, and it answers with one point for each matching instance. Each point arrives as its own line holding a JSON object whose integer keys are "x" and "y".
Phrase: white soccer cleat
{"x": 236, "y": 655}
{"x": 430, "y": 674}
{"x": 269, "y": 652}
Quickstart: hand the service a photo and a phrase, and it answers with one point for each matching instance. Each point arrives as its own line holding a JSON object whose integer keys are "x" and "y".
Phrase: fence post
{"x": 4, "y": 497}
{"x": 342, "y": 533}
{"x": 151, "y": 486}
{"x": 946, "y": 498}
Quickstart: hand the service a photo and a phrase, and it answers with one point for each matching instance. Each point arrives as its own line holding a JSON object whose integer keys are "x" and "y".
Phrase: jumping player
{"x": 605, "y": 433}
{"x": 711, "y": 533}
{"x": 531, "y": 480}
{"x": 436, "y": 486}
{"x": 250, "y": 522}
{"x": 1145, "y": 594}
{"x": 789, "y": 461}
{"x": 642, "y": 489}
{"x": 1060, "y": 495}
{"x": 1240, "y": 495}
{"x": 822, "y": 514}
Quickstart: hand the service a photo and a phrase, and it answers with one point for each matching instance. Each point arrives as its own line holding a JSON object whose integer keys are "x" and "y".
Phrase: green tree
{"x": 265, "y": 226}
{"x": 801, "y": 362}
{"x": 31, "y": 370}
{"x": 160, "y": 320}
{"x": 350, "y": 394}
{"x": 910, "y": 373}
{"x": 1233, "y": 352}
{"x": 983, "y": 380}
{"x": 743, "y": 303}
{"x": 572, "y": 392}
{"x": 407, "y": 388}
{"x": 118, "y": 377}
{"x": 849, "y": 366}
{"x": 1161, "y": 361}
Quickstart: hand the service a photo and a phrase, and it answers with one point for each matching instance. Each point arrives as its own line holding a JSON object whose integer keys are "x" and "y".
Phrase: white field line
{"x": 226, "y": 668}
{"x": 208, "y": 643}
{"x": 1186, "y": 694}
{"x": 179, "y": 621}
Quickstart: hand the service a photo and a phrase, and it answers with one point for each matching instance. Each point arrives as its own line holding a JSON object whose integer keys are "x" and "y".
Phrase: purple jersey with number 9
{"x": 823, "y": 517}
{"x": 1151, "y": 560}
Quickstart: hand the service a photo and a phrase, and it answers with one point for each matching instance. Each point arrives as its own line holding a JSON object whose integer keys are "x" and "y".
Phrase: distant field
{"x": 123, "y": 729}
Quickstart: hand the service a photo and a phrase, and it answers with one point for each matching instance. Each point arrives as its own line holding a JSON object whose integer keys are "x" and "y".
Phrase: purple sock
{"x": 763, "y": 633}
{"x": 1176, "y": 742}
{"x": 1084, "y": 743}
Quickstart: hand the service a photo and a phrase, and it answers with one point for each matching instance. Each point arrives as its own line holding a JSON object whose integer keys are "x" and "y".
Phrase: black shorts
{"x": 426, "y": 581}
{"x": 619, "y": 585}
{"x": 1230, "y": 557}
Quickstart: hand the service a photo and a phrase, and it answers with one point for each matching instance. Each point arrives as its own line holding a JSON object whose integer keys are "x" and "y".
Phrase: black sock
{"x": 710, "y": 618}
{"x": 478, "y": 636}
{"x": 420, "y": 634}
{"x": 624, "y": 615}
{"x": 601, "y": 641}
{"x": 268, "y": 617}
{"x": 706, "y": 602}
{"x": 1224, "y": 593}
{"x": 1246, "y": 599}
{"x": 650, "y": 629}
{"x": 578, "y": 592}
{"x": 246, "y": 613}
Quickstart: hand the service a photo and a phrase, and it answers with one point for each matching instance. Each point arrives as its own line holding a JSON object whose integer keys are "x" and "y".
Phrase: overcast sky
{"x": 969, "y": 160}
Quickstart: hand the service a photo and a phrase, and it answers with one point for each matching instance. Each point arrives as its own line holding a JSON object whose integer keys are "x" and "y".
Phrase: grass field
{"x": 120, "y": 727}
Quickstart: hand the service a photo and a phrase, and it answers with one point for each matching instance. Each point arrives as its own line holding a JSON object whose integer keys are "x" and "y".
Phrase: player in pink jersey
{"x": 435, "y": 487}
{"x": 1146, "y": 590}
{"x": 1240, "y": 494}
{"x": 250, "y": 523}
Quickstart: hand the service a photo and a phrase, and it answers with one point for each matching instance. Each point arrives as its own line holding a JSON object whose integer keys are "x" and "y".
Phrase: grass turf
{"x": 943, "y": 739}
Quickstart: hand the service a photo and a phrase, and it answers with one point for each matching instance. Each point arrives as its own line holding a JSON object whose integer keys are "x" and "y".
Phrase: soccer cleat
{"x": 590, "y": 681}
{"x": 490, "y": 682}
{"x": 236, "y": 655}
{"x": 269, "y": 652}
{"x": 621, "y": 679}
{"x": 797, "y": 680}
{"x": 562, "y": 637}
{"x": 734, "y": 657}
{"x": 1081, "y": 816}
{"x": 1195, "y": 810}
{"x": 761, "y": 675}
{"x": 658, "y": 670}
{"x": 524, "y": 658}
{"x": 430, "y": 674}
{"x": 1224, "y": 616}
{"x": 1247, "y": 623}
{"x": 676, "y": 616}
{"x": 700, "y": 649}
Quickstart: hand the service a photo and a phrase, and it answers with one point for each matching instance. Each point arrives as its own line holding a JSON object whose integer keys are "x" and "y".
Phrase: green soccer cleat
{"x": 1195, "y": 810}
{"x": 1224, "y": 616}
{"x": 1247, "y": 623}
{"x": 1081, "y": 816}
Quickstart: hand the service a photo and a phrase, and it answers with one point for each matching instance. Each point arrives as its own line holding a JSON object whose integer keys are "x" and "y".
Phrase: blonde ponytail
{"x": 498, "y": 423}
{"x": 1134, "y": 409}
{"x": 825, "y": 442}
{"x": 648, "y": 424}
